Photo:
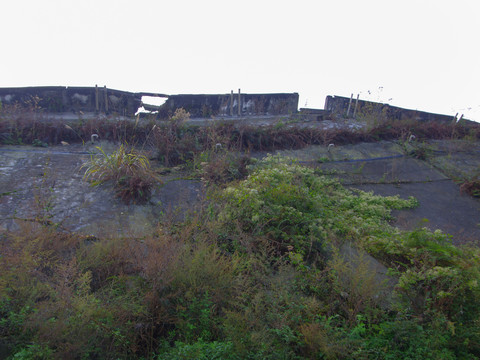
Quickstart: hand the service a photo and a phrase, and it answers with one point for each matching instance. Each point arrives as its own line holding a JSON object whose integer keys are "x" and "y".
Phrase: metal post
{"x": 96, "y": 98}
{"x": 349, "y": 105}
{"x": 231, "y": 103}
{"x": 355, "y": 109}
{"x": 239, "y": 103}
{"x": 106, "y": 99}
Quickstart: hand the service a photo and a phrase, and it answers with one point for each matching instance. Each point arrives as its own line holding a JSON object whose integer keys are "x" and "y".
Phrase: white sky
{"x": 422, "y": 54}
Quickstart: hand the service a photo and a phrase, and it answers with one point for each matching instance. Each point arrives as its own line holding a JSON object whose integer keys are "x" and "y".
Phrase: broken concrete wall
{"x": 60, "y": 99}
{"x": 224, "y": 105}
{"x": 338, "y": 105}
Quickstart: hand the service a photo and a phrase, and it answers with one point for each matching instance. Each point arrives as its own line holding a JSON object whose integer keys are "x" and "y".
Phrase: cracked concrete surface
{"x": 39, "y": 182}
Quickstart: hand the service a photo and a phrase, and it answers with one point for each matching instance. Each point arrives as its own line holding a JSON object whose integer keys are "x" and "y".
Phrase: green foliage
{"x": 278, "y": 268}
{"x": 294, "y": 207}
{"x": 437, "y": 280}
{"x": 39, "y": 143}
{"x": 34, "y": 352}
{"x": 126, "y": 168}
{"x": 200, "y": 350}
{"x": 324, "y": 159}
{"x": 407, "y": 339}
{"x": 269, "y": 309}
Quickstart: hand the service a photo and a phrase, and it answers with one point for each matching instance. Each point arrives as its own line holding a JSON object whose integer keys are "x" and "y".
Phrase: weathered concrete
{"x": 95, "y": 100}
{"x": 47, "y": 184}
{"x": 339, "y": 105}
{"x": 206, "y": 106}
{"x": 60, "y": 99}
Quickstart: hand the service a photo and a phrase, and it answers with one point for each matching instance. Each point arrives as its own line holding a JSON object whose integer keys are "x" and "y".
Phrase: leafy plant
{"x": 39, "y": 143}
{"x": 200, "y": 350}
{"x": 126, "y": 168}
{"x": 292, "y": 206}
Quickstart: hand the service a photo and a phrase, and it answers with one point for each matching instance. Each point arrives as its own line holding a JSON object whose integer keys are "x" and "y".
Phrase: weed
{"x": 471, "y": 187}
{"x": 129, "y": 171}
{"x": 323, "y": 159}
{"x": 225, "y": 167}
{"x": 421, "y": 152}
{"x": 39, "y": 143}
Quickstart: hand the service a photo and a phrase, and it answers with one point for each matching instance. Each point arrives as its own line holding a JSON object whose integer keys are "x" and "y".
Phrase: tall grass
{"x": 126, "y": 168}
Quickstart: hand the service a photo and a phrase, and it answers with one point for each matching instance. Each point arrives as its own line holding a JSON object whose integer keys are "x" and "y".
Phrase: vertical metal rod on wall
{"x": 239, "y": 103}
{"x": 96, "y": 98}
{"x": 231, "y": 103}
{"x": 355, "y": 108}
{"x": 349, "y": 105}
{"x": 106, "y": 99}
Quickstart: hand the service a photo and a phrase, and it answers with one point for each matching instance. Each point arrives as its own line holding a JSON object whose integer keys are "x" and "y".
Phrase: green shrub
{"x": 200, "y": 350}
{"x": 407, "y": 339}
{"x": 437, "y": 280}
{"x": 296, "y": 208}
{"x": 34, "y": 352}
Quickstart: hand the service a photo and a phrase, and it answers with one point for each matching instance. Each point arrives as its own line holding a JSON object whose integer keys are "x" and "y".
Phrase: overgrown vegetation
{"x": 278, "y": 265}
{"x": 260, "y": 273}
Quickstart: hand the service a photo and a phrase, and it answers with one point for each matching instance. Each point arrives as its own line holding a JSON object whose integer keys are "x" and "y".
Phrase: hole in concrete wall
{"x": 151, "y": 104}
{"x": 154, "y": 100}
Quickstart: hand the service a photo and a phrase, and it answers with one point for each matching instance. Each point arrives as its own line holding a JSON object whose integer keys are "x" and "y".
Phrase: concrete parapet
{"x": 227, "y": 105}
{"x": 60, "y": 99}
{"x": 339, "y": 105}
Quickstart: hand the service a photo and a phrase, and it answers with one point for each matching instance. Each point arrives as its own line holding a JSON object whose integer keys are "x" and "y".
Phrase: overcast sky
{"x": 417, "y": 54}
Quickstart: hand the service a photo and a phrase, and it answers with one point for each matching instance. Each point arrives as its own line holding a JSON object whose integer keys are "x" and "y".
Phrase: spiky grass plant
{"x": 128, "y": 170}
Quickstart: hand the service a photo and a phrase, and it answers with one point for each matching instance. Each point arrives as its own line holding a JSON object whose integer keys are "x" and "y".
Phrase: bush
{"x": 200, "y": 350}
{"x": 295, "y": 208}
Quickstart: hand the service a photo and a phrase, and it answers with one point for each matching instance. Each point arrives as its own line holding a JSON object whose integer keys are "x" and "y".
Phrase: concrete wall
{"x": 60, "y": 99}
{"x": 338, "y": 105}
{"x": 224, "y": 105}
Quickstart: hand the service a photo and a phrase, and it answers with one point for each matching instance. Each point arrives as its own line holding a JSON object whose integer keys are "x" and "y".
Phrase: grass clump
{"x": 128, "y": 170}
